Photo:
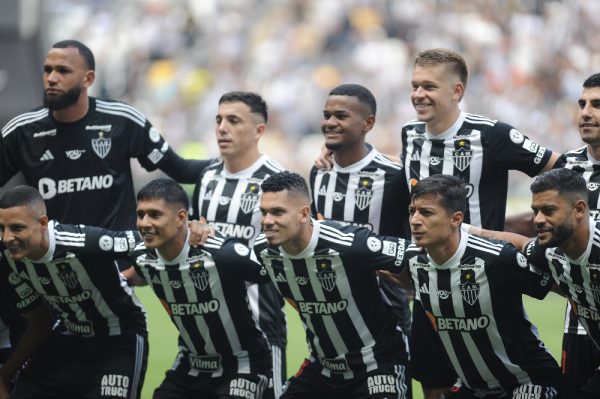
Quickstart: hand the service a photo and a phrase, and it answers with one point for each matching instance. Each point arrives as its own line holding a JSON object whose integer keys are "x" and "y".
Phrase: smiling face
{"x": 24, "y": 232}
{"x": 554, "y": 218}
{"x": 283, "y": 219}
{"x": 237, "y": 129}
{"x": 436, "y": 92}
{"x": 161, "y": 225}
{"x": 345, "y": 122}
{"x": 589, "y": 116}
{"x": 66, "y": 76}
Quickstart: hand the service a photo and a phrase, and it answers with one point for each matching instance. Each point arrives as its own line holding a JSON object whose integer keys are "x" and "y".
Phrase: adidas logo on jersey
{"x": 322, "y": 191}
{"x": 47, "y": 156}
{"x": 280, "y": 278}
{"x": 416, "y": 157}
{"x": 424, "y": 289}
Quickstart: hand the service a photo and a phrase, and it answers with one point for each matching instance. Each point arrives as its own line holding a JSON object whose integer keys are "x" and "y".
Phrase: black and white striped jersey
{"x": 371, "y": 193}
{"x": 204, "y": 292}
{"x": 333, "y": 285}
{"x": 480, "y": 152}
{"x": 82, "y": 169}
{"x": 230, "y": 202}
{"x": 580, "y": 161}
{"x": 474, "y": 302}
{"x": 578, "y": 279}
{"x": 80, "y": 281}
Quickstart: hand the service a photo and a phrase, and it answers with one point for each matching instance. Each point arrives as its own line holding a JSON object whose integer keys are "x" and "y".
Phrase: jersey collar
{"x": 358, "y": 165}
{"x": 312, "y": 244}
{"x": 51, "y": 246}
{"x": 586, "y": 254}
{"x": 450, "y": 132}
{"x": 248, "y": 172}
{"x": 179, "y": 259}
{"x": 454, "y": 260}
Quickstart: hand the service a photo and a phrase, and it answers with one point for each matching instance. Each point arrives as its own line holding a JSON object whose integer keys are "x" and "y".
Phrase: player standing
{"x": 227, "y": 195}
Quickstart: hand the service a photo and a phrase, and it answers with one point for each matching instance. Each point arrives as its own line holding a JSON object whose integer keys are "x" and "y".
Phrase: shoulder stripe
{"x": 413, "y": 122}
{"x": 485, "y": 241}
{"x": 577, "y": 151}
{"x": 261, "y": 239}
{"x": 69, "y": 235}
{"x": 480, "y": 120}
{"x": 274, "y": 166}
{"x": 120, "y": 109}
{"x": 493, "y": 251}
{"x": 24, "y": 119}
{"x": 336, "y": 232}
{"x": 381, "y": 159}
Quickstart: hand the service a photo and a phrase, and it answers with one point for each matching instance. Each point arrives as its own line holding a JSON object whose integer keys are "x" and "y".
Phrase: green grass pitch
{"x": 547, "y": 315}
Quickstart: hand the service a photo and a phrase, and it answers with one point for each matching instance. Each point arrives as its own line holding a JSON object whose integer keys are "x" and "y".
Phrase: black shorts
{"x": 385, "y": 382}
{"x": 76, "y": 367}
{"x": 428, "y": 361}
{"x": 182, "y": 386}
{"x": 580, "y": 361}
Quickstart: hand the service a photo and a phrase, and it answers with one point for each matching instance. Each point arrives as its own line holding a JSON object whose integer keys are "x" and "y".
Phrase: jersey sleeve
{"x": 536, "y": 255}
{"x": 18, "y": 291}
{"x": 97, "y": 241}
{"x": 379, "y": 252}
{"x": 511, "y": 149}
{"x": 529, "y": 278}
{"x": 244, "y": 260}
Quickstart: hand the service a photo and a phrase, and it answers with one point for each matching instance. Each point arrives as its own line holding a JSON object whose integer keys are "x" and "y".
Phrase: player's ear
{"x": 44, "y": 222}
{"x": 459, "y": 91}
{"x": 88, "y": 78}
{"x": 305, "y": 214}
{"x": 182, "y": 217}
{"x": 260, "y": 131}
{"x": 457, "y": 219}
{"x": 369, "y": 123}
{"x": 581, "y": 209}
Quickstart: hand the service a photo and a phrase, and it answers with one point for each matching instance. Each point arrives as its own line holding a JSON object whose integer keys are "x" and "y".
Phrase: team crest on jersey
{"x": 469, "y": 288}
{"x": 249, "y": 200}
{"x": 101, "y": 145}
{"x": 67, "y": 275}
{"x": 199, "y": 275}
{"x": 364, "y": 193}
{"x": 462, "y": 157}
{"x": 325, "y": 274}
{"x": 595, "y": 284}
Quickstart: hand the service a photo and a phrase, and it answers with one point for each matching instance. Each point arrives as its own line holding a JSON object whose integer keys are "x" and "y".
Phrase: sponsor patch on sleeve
{"x": 121, "y": 244}
{"x": 516, "y": 136}
{"x": 154, "y": 135}
{"x": 374, "y": 244}
{"x": 389, "y": 248}
{"x": 521, "y": 260}
{"x": 155, "y": 156}
{"x": 106, "y": 243}
{"x": 241, "y": 249}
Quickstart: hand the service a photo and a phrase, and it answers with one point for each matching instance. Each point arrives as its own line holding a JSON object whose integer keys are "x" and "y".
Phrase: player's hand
{"x": 199, "y": 232}
{"x": 398, "y": 279}
{"x": 325, "y": 159}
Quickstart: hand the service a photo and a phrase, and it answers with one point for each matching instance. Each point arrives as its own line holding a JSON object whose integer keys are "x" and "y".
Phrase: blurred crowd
{"x": 173, "y": 60}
